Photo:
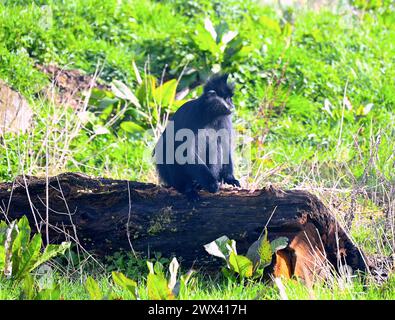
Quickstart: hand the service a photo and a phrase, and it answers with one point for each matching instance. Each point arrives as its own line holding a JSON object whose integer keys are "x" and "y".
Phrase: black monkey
{"x": 206, "y": 159}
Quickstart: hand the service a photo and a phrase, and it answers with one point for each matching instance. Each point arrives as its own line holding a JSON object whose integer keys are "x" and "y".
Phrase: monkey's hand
{"x": 232, "y": 181}
{"x": 213, "y": 187}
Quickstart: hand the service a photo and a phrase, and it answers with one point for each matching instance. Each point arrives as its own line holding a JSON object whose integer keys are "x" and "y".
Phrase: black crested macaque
{"x": 194, "y": 151}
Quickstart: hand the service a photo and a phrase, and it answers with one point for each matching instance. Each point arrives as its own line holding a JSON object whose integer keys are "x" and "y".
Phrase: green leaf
{"x": 279, "y": 244}
{"x": 205, "y": 41}
{"x": 260, "y": 252}
{"x": 49, "y": 294}
{"x": 270, "y": 24}
{"x": 3, "y": 231}
{"x": 3, "y": 236}
{"x": 51, "y": 251}
{"x": 2, "y": 258}
{"x": 165, "y": 94}
{"x": 28, "y": 288}
{"x": 145, "y": 91}
{"x": 265, "y": 251}
{"x": 241, "y": 265}
{"x": 218, "y": 247}
{"x": 23, "y": 262}
{"x": 126, "y": 283}
{"x": 122, "y": 91}
{"x": 158, "y": 268}
{"x": 181, "y": 285}
{"x": 131, "y": 127}
{"x": 157, "y": 288}
{"x": 93, "y": 289}
{"x": 23, "y": 236}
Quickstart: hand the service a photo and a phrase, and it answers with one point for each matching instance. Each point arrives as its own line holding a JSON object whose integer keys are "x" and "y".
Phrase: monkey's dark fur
{"x": 212, "y": 110}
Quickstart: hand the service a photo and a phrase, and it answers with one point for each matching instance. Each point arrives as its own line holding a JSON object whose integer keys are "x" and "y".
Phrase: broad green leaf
{"x": 20, "y": 244}
{"x": 287, "y": 30}
{"x": 93, "y": 289}
{"x": 28, "y": 288}
{"x": 145, "y": 90}
{"x": 178, "y": 103}
{"x": 252, "y": 253}
{"x": 3, "y": 237}
{"x": 51, "y": 251}
{"x": 157, "y": 288}
{"x": 205, "y": 41}
{"x": 3, "y": 232}
{"x": 265, "y": 251}
{"x": 241, "y": 265}
{"x": 158, "y": 268}
{"x": 260, "y": 252}
{"x": 165, "y": 94}
{"x": 23, "y": 262}
{"x": 126, "y": 283}
{"x": 270, "y": 24}
{"x": 279, "y": 244}
{"x": 2, "y": 258}
{"x": 22, "y": 239}
{"x": 131, "y": 127}
{"x": 218, "y": 248}
{"x": 122, "y": 91}
{"x": 228, "y": 274}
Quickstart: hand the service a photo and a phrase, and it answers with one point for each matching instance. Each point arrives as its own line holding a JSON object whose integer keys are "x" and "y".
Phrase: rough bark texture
{"x": 160, "y": 219}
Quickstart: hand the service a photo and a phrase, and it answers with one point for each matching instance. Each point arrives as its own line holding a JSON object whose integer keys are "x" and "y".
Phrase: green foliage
{"x": 93, "y": 289}
{"x": 31, "y": 291}
{"x": 126, "y": 283}
{"x": 314, "y": 86}
{"x": 258, "y": 257}
{"x": 157, "y": 283}
{"x": 314, "y": 91}
{"x": 20, "y": 255}
{"x": 131, "y": 265}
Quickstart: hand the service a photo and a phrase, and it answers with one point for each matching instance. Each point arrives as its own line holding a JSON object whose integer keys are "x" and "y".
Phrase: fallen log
{"x": 107, "y": 215}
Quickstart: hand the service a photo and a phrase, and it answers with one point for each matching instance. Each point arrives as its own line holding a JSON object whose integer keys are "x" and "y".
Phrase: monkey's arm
{"x": 200, "y": 174}
{"x": 227, "y": 174}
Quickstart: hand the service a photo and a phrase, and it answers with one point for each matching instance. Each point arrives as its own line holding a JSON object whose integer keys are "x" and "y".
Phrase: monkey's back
{"x": 170, "y": 172}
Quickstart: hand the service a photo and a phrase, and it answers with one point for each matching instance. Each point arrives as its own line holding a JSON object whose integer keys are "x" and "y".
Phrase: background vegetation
{"x": 315, "y": 103}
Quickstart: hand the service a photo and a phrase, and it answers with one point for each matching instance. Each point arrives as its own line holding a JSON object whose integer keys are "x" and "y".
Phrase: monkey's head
{"x": 218, "y": 95}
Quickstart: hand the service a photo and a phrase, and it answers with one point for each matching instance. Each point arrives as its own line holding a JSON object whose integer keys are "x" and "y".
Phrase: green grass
{"x": 208, "y": 289}
{"x": 314, "y": 95}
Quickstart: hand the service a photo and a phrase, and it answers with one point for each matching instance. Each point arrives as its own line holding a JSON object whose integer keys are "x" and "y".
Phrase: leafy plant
{"x": 258, "y": 257}
{"x": 93, "y": 289}
{"x": 132, "y": 265}
{"x": 125, "y": 283}
{"x": 159, "y": 288}
{"x": 31, "y": 291}
{"x": 148, "y": 106}
{"x": 20, "y": 255}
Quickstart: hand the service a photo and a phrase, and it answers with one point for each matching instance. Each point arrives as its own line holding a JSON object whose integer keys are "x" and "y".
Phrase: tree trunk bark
{"x": 106, "y": 215}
